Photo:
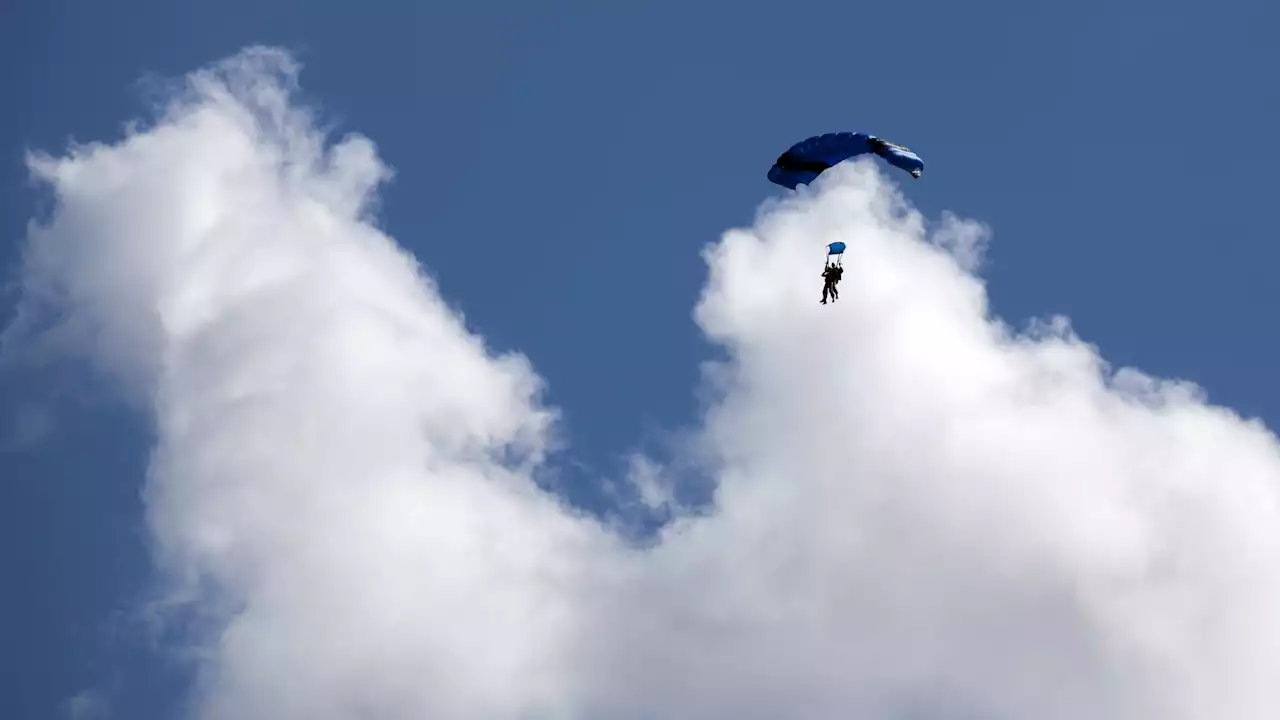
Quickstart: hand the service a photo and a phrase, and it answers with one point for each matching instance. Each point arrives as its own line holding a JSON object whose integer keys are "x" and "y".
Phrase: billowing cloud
{"x": 919, "y": 513}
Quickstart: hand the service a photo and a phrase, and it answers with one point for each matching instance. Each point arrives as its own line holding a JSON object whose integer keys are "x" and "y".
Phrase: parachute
{"x": 803, "y": 162}
{"x": 836, "y": 249}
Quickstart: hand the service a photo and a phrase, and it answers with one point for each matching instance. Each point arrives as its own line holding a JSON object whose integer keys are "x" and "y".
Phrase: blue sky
{"x": 560, "y": 166}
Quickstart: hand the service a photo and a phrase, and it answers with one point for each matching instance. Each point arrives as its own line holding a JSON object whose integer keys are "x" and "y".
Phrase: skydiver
{"x": 830, "y": 276}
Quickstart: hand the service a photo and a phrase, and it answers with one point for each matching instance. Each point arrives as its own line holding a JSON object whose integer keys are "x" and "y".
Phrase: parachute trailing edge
{"x": 803, "y": 162}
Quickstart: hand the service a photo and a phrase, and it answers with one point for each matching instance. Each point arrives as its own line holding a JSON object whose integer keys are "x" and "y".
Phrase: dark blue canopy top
{"x": 807, "y": 159}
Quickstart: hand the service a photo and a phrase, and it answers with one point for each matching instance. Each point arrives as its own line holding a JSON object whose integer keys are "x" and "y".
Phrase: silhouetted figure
{"x": 830, "y": 275}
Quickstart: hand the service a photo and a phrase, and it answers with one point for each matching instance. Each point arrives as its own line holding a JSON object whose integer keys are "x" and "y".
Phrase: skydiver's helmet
{"x": 915, "y": 173}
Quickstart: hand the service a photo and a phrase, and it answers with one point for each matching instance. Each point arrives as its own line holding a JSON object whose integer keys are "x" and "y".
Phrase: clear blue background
{"x": 561, "y": 164}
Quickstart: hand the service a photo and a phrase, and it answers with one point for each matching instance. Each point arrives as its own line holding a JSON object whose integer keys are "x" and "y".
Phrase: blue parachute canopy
{"x": 807, "y": 159}
{"x": 835, "y": 248}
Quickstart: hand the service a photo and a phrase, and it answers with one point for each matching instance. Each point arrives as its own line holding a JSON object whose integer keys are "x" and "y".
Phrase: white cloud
{"x": 919, "y": 513}
{"x": 87, "y": 705}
